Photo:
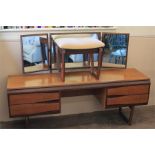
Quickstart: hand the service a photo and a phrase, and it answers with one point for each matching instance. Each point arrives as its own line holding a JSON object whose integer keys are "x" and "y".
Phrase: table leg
{"x": 128, "y": 120}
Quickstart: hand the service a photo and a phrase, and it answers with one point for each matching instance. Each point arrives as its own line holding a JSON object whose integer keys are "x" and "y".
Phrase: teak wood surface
{"x": 75, "y": 79}
{"x": 40, "y": 94}
{"x": 33, "y": 109}
{"x": 16, "y": 99}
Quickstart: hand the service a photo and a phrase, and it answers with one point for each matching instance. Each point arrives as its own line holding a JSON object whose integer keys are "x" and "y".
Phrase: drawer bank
{"x": 41, "y": 94}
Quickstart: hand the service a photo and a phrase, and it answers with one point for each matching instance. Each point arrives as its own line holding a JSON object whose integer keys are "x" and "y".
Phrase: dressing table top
{"x": 74, "y": 78}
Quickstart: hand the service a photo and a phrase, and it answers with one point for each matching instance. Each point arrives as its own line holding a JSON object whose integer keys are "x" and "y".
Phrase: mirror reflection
{"x": 35, "y": 52}
{"x": 115, "y": 50}
{"x": 72, "y": 60}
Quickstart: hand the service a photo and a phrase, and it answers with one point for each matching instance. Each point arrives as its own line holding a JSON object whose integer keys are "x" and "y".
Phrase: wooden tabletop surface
{"x": 73, "y": 78}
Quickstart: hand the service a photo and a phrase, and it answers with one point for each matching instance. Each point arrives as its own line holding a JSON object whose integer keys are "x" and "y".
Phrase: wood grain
{"x": 129, "y": 100}
{"x": 73, "y": 78}
{"x": 31, "y": 109}
{"x": 130, "y": 90}
{"x": 32, "y": 98}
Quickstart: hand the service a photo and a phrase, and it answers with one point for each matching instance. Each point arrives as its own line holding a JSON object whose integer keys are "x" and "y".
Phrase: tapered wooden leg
{"x": 92, "y": 68}
{"x": 128, "y": 120}
{"x": 131, "y": 115}
{"x": 54, "y": 53}
{"x": 100, "y": 59}
{"x": 96, "y": 71}
{"x": 63, "y": 65}
{"x": 59, "y": 60}
{"x": 92, "y": 62}
{"x": 58, "y": 56}
{"x": 50, "y": 60}
{"x": 88, "y": 60}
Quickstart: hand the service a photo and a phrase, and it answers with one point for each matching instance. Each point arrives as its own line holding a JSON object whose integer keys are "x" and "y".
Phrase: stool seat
{"x": 79, "y": 43}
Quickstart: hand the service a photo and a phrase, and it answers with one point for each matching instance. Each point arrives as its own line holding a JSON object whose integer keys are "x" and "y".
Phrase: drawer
{"x": 33, "y": 109}
{"x": 28, "y": 98}
{"x": 128, "y": 90}
{"x": 128, "y": 100}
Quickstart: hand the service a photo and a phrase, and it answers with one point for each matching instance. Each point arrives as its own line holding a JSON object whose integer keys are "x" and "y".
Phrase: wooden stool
{"x": 66, "y": 45}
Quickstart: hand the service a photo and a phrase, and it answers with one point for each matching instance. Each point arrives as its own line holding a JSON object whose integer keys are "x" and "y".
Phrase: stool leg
{"x": 100, "y": 59}
{"x": 57, "y": 57}
{"x": 96, "y": 71}
{"x": 54, "y": 52}
{"x": 63, "y": 65}
{"x": 92, "y": 62}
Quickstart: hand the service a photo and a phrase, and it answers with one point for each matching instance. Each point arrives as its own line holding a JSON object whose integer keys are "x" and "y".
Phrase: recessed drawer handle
{"x": 49, "y": 101}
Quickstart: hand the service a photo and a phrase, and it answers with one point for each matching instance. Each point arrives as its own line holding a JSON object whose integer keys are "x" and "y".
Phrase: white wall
{"x": 10, "y": 62}
{"x": 141, "y": 56}
{"x": 138, "y": 30}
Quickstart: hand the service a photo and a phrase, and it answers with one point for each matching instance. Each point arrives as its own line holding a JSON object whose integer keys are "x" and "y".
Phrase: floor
{"x": 144, "y": 118}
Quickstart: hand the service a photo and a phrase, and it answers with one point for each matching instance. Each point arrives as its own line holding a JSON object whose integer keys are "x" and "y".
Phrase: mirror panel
{"x": 35, "y": 55}
{"x": 115, "y": 50}
{"x": 72, "y": 60}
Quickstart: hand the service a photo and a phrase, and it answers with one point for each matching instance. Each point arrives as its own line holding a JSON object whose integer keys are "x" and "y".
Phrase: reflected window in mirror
{"x": 115, "y": 50}
{"x": 35, "y": 54}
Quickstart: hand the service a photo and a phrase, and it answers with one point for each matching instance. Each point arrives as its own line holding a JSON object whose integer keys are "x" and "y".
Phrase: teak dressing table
{"x": 41, "y": 94}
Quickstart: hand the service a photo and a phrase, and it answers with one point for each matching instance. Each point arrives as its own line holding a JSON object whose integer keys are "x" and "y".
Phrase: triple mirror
{"x": 36, "y": 56}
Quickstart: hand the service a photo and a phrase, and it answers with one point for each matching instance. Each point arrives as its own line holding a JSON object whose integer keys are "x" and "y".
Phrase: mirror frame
{"x": 22, "y": 52}
{"x": 128, "y": 38}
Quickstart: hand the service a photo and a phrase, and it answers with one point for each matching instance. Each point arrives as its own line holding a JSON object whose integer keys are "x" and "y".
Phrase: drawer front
{"x": 128, "y": 90}
{"x": 33, "y": 109}
{"x": 128, "y": 100}
{"x": 28, "y": 98}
